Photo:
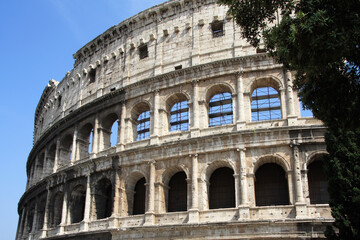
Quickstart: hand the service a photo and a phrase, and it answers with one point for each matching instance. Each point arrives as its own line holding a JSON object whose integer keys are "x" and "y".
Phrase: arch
{"x": 103, "y": 198}
{"x": 222, "y": 188}
{"x": 110, "y": 129}
{"x": 169, "y": 172}
{"x": 271, "y": 158}
{"x": 41, "y": 205}
{"x": 65, "y": 151}
{"x": 317, "y": 180}
{"x": 56, "y": 206}
{"x": 178, "y": 112}
{"x": 140, "y": 116}
{"x": 218, "y": 164}
{"x": 271, "y": 186}
{"x": 77, "y": 203}
{"x": 51, "y": 157}
{"x": 85, "y": 140}
{"x": 138, "y": 206}
{"x": 315, "y": 156}
{"x": 177, "y": 196}
{"x": 265, "y": 81}
{"x": 30, "y": 218}
{"x": 216, "y": 89}
{"x": 136, "y": 193}
{"x": 220, "y": 105}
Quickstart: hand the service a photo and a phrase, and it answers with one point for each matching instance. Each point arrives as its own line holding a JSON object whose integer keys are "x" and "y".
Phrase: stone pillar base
{"x": 114, "y": 221}
{"x": 195, "y": 132}
{"x": 301, "y": 210}
{"x": 244, "y": 212}
{"x": 43, "y": 233}
{"x": 84, "y": 226}
{"x": 193, "y": 216}
{"x": 292, "y": 120}
{"x": 120, "y": 147}
{"x": 149, "y": 219}
{"x": 154, "y": 140}
{"x": 240, "y": 125}
{"x": 92, "y": 155}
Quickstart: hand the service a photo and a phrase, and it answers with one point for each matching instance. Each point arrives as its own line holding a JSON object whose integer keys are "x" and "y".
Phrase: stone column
{"x": 237, "y": 189}
{"x": 122, "y": 137}
{"x": 20, "y": 225}
{"x": 57, "y": 154}
{"x": 244, "y": 209}
{"x": 64, "y": 214}
{"x": 300, "y": 203}
{"x": 194, "y": 210}
{"x": 46, "y": 164}
{"x": 35, "y": 218}
{"x": 283, "y": 103}
{"x": 35, "y": 174}
{"x": 154, "y": 121}
{"x": 240, "y": 118}
{"x": 46, "y": 214}
{"x": 117, "y": 197}
{"x": 195, "y": 109}
{"x": 74, "y": 146}
{"x": 149, "y": 215}
{"x": 291, "y": 116}
{"x": 85, "y": 223}
{"x": 96, "y": 136}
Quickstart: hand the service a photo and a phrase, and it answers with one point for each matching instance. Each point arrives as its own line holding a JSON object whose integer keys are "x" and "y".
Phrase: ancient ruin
{"x": 170, "y": 126}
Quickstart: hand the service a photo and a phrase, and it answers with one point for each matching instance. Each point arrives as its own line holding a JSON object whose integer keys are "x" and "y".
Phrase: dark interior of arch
{"x": 318, "y": 184}
{"x": 104, "y": 199}
{"x": 40, "y": 213}
{"x": 139, "y": 197}
{"x": 56, "y": 209}
{"x": 177, "y": 198}
{"x": 271, "y": 187}
{"x": 77, "y": 204}
{"x": 222, "y": 189}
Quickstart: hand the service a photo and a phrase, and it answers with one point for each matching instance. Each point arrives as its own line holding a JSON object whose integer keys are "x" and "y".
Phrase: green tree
{"x": 319, "y": 39}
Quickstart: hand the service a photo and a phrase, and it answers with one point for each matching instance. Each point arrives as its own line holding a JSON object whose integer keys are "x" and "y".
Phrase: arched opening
{"x": 103, "y": 198}
{"x": 140, "y": 116}
{"x": 220, "y": 109}
{"x": 271, "y": 186}
{"x": 222, "y": 188}
{"x": 139, "y": 197}
{"x": 77, "y": 204}
{"x": 85, "y": 140}
{"x": 40, "y": 213}
{"x": 30, "y": 219}
{"x": 179, "y": 116}
{"x": 109, "y": 130}
{"x": 65, "y": 150}
{"x": 177, "y": 198}
{"x": 51, "y": 158}
{"x": 56, "y": 209}
{"x": 40, "y": 166}
{"x": 265, "y": 104}
{"x": 318, "y": 184}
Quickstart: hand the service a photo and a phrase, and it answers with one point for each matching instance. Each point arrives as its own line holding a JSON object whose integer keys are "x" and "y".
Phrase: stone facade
{"x": 219, "y": 170}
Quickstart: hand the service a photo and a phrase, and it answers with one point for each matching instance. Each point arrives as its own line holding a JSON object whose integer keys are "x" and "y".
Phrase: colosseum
{"x": 171, "y": 126}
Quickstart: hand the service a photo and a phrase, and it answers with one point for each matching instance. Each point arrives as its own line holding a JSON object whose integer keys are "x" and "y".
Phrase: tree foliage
{"x": 320, "y": 40}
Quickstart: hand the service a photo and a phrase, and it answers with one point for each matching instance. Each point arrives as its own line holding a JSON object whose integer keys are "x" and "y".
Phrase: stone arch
{"x": 314, "y": 156}
{"x": 317, "y": 179}
{"x": 220, "y": 185}
{"x": 215, "y": 165}
{"x": 85, "y": 140}
{"x": 214, "y": 89}
{"x": 141, "y": 124}
{"x": 136, "y": 193}
{"x": 271, "y": 184}
{"x": 169, "y": 172}
{"x": 103, "y": 198}
{"x": 271, "y": 158}
{"x": 177, "y": 120}
{"x": 56, "y": 206}
{"x": 265, "y": 81}
{"x": 107, "y": 124}
{"x": 77, "y": 203}
{"x": 65, "y": 150}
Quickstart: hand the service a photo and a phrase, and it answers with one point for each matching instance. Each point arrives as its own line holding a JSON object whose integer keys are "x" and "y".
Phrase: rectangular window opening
{"x": 217, "y": 28}
{"x": 178, "y": 67}
{"x": 92, "y": 76}
{"x": 143, "y": 51}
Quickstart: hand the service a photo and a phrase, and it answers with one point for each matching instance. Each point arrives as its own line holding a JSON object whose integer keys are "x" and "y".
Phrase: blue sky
{"x": 37, "y": 41}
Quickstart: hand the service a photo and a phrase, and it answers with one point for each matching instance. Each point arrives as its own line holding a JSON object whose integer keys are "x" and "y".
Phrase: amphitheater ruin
{"x": 170, "y": 126}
